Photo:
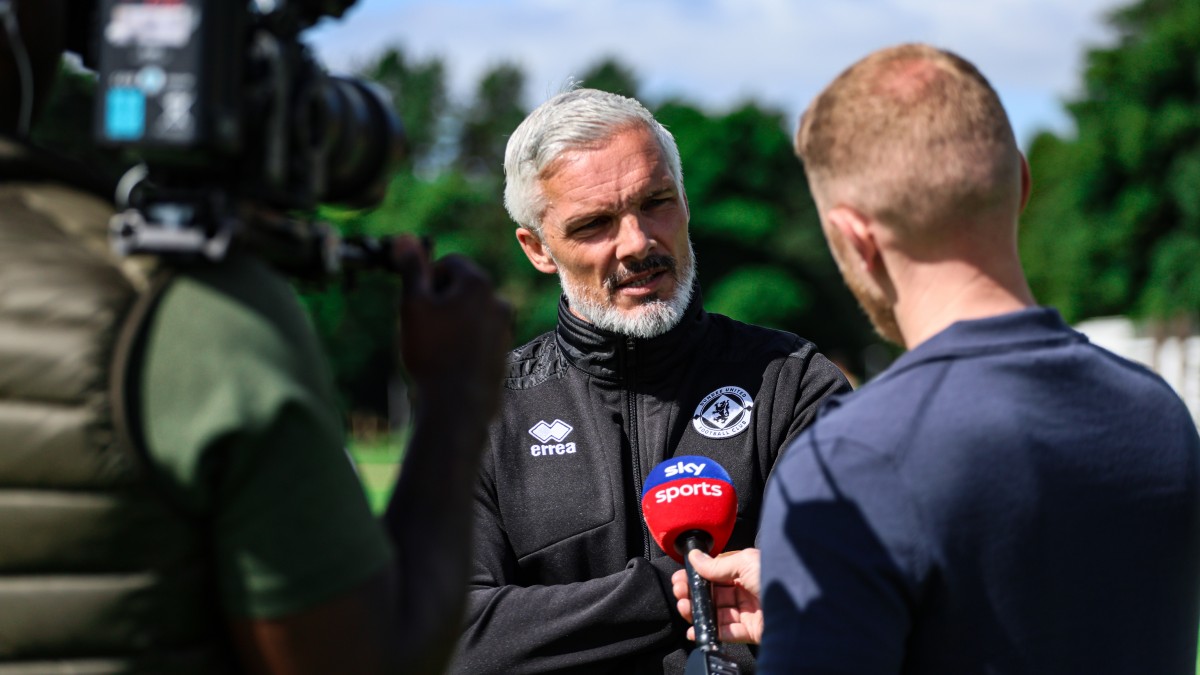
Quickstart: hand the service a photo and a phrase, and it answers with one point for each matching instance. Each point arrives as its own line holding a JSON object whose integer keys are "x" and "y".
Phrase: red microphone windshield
{"x": 701, "y": 498}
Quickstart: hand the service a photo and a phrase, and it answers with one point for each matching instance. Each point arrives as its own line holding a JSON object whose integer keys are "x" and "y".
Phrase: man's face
{"x": 615, "y": 231}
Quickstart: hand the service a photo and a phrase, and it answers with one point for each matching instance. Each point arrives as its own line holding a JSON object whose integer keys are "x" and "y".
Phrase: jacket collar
{"x": 613, "y": 356}
{"x": 1014, "y": 331}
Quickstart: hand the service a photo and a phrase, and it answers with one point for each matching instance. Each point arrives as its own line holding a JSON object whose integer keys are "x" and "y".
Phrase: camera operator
{"x": 223, "y": 528}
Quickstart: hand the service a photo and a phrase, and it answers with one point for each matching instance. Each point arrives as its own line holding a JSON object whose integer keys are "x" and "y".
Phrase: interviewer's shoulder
{"x": 1130, "y": 386}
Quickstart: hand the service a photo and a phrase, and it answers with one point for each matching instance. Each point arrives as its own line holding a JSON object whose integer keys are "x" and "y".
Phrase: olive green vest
{"x": 98, "y": 573}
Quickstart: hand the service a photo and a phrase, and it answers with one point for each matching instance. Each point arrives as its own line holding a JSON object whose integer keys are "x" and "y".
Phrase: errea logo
{"x": 557, "y": 430}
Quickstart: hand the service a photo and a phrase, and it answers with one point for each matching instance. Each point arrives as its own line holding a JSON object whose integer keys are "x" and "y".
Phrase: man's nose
{"x": 634, "y": 240}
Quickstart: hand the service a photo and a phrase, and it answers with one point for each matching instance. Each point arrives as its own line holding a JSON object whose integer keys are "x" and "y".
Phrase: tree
{"x": 490, "y": 119}
{"x": 762, "y": 257}
{"x": 418, "y": 91}
{"x": 1114, "y": 224}
{"x": 355, "y": 319}
{"x": 612, "y": 76}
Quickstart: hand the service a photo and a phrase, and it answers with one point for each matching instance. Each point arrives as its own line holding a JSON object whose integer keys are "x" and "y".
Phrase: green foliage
{"x": 611, "y": 76}
{"x": 488, "y": 121}
{"x": 754, "y": 225}
{"x": 357, "y": 325}
{"x": 760, "y": 294}
{"x": 1115, "y": 213}
{"x": 419, "y": 96}
{"x": 739, "y": 219}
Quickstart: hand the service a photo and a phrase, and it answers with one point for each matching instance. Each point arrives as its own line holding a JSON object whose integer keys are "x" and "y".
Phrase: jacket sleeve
{"x": 584, "y": 626}
{"x": 817, "y": 380}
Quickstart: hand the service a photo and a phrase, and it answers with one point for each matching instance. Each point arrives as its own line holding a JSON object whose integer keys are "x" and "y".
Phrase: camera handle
{"x": 179, "y": 224}
{"x": 203, "y": 225}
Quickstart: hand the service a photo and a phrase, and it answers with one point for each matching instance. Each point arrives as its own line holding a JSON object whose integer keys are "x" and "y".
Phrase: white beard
{"x": 649, "y": 319}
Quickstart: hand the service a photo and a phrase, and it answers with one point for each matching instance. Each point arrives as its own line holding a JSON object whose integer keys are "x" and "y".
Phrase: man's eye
{"x": 655, "y": 202}
{"x": 592, "y": 224}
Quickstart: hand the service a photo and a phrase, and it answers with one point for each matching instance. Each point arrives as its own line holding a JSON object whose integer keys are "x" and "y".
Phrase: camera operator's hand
{"x": 454, "y": 334}
{"x": 454, "y": 330}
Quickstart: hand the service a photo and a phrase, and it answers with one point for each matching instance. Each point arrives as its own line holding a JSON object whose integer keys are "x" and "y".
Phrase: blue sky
{"x": 720, "y": 52}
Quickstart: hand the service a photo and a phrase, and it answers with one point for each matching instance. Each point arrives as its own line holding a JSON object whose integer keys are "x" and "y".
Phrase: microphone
{"x": 689, "y": 503}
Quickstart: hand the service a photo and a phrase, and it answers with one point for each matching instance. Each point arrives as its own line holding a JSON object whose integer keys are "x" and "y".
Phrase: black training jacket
{"x": 566, "y": 576}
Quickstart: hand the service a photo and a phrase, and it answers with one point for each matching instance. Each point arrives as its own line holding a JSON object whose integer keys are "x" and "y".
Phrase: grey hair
{"x": 572, "y": 120}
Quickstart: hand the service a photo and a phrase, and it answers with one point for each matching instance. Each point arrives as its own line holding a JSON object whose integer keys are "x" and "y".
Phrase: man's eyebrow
{"x": 667, "y": 190}
{"x": 584, "y": 216}
{"x": 587, "y": 215}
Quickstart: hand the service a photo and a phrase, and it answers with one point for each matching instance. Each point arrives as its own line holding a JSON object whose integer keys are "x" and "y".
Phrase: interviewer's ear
{"x": 1026, "y": 183}
{"x": 854, "y": 228}
{"x": 535, "y": 249}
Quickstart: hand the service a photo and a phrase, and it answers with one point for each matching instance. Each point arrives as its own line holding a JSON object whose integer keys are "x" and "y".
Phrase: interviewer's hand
{"x": 454, "y": 331}
{"x": 735, "y": 593}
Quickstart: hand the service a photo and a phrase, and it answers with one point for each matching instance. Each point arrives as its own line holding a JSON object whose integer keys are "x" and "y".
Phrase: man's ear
{"x": 1026, "y": 183}
{"x": 855, "y": 229}
{"x": 536, "y": 251}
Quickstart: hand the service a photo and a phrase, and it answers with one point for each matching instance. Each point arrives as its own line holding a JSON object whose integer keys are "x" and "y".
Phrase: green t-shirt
{"x": 239, "y": 416}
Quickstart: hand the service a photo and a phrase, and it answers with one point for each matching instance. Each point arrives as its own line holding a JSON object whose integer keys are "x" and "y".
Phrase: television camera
{"x": 240, "y": 131}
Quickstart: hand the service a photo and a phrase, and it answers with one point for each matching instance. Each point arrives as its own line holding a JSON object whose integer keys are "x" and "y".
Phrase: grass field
{"x": 379, "y": 461}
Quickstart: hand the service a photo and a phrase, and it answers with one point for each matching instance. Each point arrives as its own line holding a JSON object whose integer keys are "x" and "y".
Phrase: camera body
{"x": 240, "y": 131}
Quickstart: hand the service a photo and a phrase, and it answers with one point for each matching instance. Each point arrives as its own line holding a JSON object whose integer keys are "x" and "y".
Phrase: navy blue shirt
{"x": 1006, "y": 498}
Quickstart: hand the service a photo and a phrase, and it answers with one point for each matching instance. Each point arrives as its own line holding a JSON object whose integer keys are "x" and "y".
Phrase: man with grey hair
{"x": 565, "y": 576}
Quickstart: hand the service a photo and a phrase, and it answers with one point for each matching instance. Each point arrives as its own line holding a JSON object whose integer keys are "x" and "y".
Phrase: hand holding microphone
{"x": 735, "y": 576}
{"x": 690, "y": 505}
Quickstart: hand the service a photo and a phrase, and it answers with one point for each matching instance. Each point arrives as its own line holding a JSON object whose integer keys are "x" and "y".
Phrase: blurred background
{"x": 1104, "y": 97}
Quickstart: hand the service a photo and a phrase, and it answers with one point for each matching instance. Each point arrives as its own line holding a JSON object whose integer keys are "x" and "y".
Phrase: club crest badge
{"x": 723, "y": 413}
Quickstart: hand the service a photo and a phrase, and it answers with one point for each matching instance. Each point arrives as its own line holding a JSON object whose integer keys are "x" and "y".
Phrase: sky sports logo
{"x": 684, "y": 469}
{"x": 673, "y": 492}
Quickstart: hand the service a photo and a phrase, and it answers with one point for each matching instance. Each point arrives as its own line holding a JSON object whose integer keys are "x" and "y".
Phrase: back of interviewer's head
{"x": 915, "y": 137}
{"x": 573, "y": 120}
{"x": 40, "y": 27}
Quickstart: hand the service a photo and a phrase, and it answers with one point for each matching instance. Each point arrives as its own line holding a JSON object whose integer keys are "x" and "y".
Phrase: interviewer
{"x": 1006, "y": 497}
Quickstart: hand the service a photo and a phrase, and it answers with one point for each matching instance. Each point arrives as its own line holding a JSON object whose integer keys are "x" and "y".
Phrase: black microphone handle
{"x": 703, "y": 615}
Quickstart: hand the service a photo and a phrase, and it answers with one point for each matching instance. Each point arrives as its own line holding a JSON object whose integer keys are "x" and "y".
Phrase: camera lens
{"x": 364, "y": 136}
